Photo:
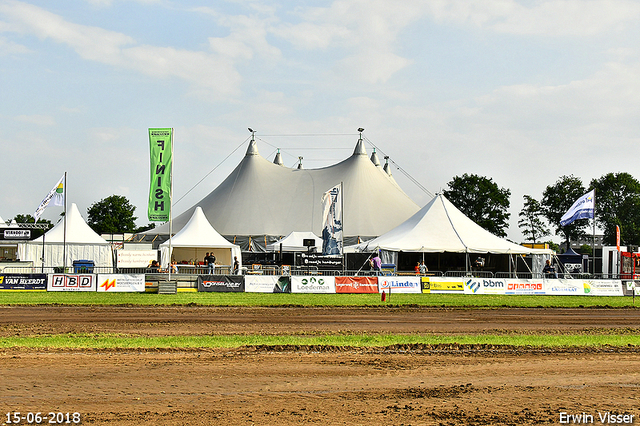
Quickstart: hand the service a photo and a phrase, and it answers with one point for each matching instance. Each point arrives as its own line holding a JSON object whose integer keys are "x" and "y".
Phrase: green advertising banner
{"x": 161, "y": 148}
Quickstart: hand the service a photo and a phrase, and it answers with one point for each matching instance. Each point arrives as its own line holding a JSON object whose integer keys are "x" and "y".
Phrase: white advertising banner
{"x": 266, "y": 284}
{"x": 136, "y": 258}
{"x": 485, "y": 286}
{"x": 113, "y": 283}
{"x": 399, "y": 284}
{"x": 313, "y": 284}
{"x": 71, "y": 282}
{"x": 524, "y": 287}
{"x": 561, "y": 287}
{"x": 603, "y": 287}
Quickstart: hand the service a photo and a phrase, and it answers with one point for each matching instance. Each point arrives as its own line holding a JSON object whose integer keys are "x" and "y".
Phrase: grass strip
{"x": 103, "y": 341}
{"x": 12, "y": 298}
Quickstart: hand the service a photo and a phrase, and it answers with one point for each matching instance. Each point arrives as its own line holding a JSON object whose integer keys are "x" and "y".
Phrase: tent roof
{"x": 263, "y": 198}
{"x": 78, "y": 232}
{"x": 198, "y": 232}
{"x": 293, "y": 242}
{"x": 441, "y": 227}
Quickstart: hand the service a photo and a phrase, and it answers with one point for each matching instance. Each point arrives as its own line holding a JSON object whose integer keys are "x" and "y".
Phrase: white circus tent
{"x": 81, "y": 243}
{"x": 195, "y": 239}
{"x": 263, "y": 201}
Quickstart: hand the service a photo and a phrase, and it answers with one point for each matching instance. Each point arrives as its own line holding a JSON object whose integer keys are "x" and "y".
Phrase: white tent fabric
{"x": 263, "y": 198}
{"x": 440, "y": 227}
{"x": 82, "y": 243}
{"x": 195, "y": 239}
{"x": 293, "y": 242}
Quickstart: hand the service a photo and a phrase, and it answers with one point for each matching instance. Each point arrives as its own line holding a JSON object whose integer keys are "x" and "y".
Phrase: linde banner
{"x": 400, "y": 284}
{"x": 356, "y": 284}
{"x": 484, "y": 286}
{"x": 267, "y": 284}
{"x": 332, "y": 221}
{"x": 221, "y": 283}
{"x": 23, "y": 281}
{"x": 313, "y": 284}
{"x": 71, "y": 282}
{"x": 161, "y": 149}
{"x": 121, "y": 283}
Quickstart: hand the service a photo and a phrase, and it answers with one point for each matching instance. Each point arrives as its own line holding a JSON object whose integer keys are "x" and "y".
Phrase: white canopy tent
{"x": 81, "y": 243}
{"x": 440, "y": 227}
{"x": 294, "y": 242}
{"x": 195, "y": 239}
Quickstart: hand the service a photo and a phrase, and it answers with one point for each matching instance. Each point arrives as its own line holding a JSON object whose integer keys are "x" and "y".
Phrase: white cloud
{"x": 201, "y": 69}
{"x": 546, "y": 18}
{"x": 40, "y": 120}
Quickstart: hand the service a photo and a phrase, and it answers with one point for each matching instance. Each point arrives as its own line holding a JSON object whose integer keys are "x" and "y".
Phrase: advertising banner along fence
{"x": 71, "y": 282}
{"x": 23, "y": 281}
{"x": 120, "y": 283}
{"x": 356, "y": 284}
{"x": 221, "y": 283}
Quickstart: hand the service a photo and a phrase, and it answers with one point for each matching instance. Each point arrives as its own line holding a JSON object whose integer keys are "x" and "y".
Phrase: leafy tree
{"x": 618, "y": 203}
{"x": 557, "y": 199}
{"x": 146, "y": 227}
{"x": 531, "y": 223}
{"x": 27, "y": 218}
{"x": 113, "y": 214}
{"x": 481, "y": 200}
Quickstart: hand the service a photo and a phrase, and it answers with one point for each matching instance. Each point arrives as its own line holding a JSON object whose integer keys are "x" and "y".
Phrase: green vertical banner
{"x": 161, "y": 148}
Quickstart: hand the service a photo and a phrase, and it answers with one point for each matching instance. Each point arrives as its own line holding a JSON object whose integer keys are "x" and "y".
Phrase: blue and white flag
{"x": 332, "y": 221}
{"x": 583, "y": 208}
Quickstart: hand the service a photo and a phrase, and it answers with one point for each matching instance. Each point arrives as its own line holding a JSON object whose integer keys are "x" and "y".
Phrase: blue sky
{"x": 520, "y": 91}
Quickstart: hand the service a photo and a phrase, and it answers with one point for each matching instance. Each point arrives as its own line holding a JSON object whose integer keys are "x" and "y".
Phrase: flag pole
{"x": 171, "y": 207}
{"x": 64, "y": 237}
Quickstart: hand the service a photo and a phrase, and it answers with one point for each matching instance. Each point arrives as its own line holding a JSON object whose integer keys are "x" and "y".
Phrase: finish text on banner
{"x": 161, "y": 150}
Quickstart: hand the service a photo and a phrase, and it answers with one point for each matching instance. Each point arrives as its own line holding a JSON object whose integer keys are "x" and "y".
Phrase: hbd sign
{"x": 66, "y": 282}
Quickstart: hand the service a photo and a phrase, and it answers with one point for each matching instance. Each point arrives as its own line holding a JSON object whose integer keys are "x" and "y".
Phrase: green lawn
{"x": 279, "y": 299}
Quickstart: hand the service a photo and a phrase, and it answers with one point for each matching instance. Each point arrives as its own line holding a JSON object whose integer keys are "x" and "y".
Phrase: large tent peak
{"x": 253, "y": 148}
{"x": 360, "y": 148}
{"x": 374, "y": 158}
{"x": 278, "y": 159}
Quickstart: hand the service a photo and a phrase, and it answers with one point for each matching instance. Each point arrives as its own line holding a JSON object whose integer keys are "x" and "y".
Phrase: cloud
{"x": 201, "y": 69}
{"x": 546, "y": 18}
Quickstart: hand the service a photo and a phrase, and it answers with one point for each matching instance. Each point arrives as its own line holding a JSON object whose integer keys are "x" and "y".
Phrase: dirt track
{"x": 407, "y": 385}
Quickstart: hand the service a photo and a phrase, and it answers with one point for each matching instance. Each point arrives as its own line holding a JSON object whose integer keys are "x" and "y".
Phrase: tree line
{"x": 617, "y": 202}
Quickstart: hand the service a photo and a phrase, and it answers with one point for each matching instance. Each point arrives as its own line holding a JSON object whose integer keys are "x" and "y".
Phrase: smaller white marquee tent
{"x": 440, "y": 227}
{"x": 197, "y": 238}
{"x": 81, "y": 243}
{"x": 294, "y": 242}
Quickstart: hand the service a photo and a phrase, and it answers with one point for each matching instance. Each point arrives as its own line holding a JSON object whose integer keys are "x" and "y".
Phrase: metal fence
{"x": 278, "y": 270}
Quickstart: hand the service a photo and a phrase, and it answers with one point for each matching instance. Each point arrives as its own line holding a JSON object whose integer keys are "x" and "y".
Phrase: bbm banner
{"x": 161, "y": 150}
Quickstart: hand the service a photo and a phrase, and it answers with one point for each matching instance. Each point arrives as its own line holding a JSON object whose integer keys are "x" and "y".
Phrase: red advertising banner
{"x": 356, "y": 284}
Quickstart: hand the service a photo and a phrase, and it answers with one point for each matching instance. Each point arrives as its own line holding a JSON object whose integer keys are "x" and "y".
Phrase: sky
{"x": 522, "y": 92}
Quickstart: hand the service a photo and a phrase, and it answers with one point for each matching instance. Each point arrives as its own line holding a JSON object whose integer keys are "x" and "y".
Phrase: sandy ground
{"x": 409, "y": 385}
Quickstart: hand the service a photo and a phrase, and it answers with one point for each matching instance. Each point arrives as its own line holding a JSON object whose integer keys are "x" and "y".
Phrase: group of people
{"x": 421, "y": 268}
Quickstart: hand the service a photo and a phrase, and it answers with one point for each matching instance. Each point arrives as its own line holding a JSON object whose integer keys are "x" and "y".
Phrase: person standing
{"x": 236, "y": 265}
{"x": 376, "y": 264}
{"x": 211, "y": 261}
{"x": 423, "y": 268}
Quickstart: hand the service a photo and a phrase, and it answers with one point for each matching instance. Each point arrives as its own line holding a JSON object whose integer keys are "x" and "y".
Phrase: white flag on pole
{"x": 583, "y": 208}
{"x": 56, "y": 194}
